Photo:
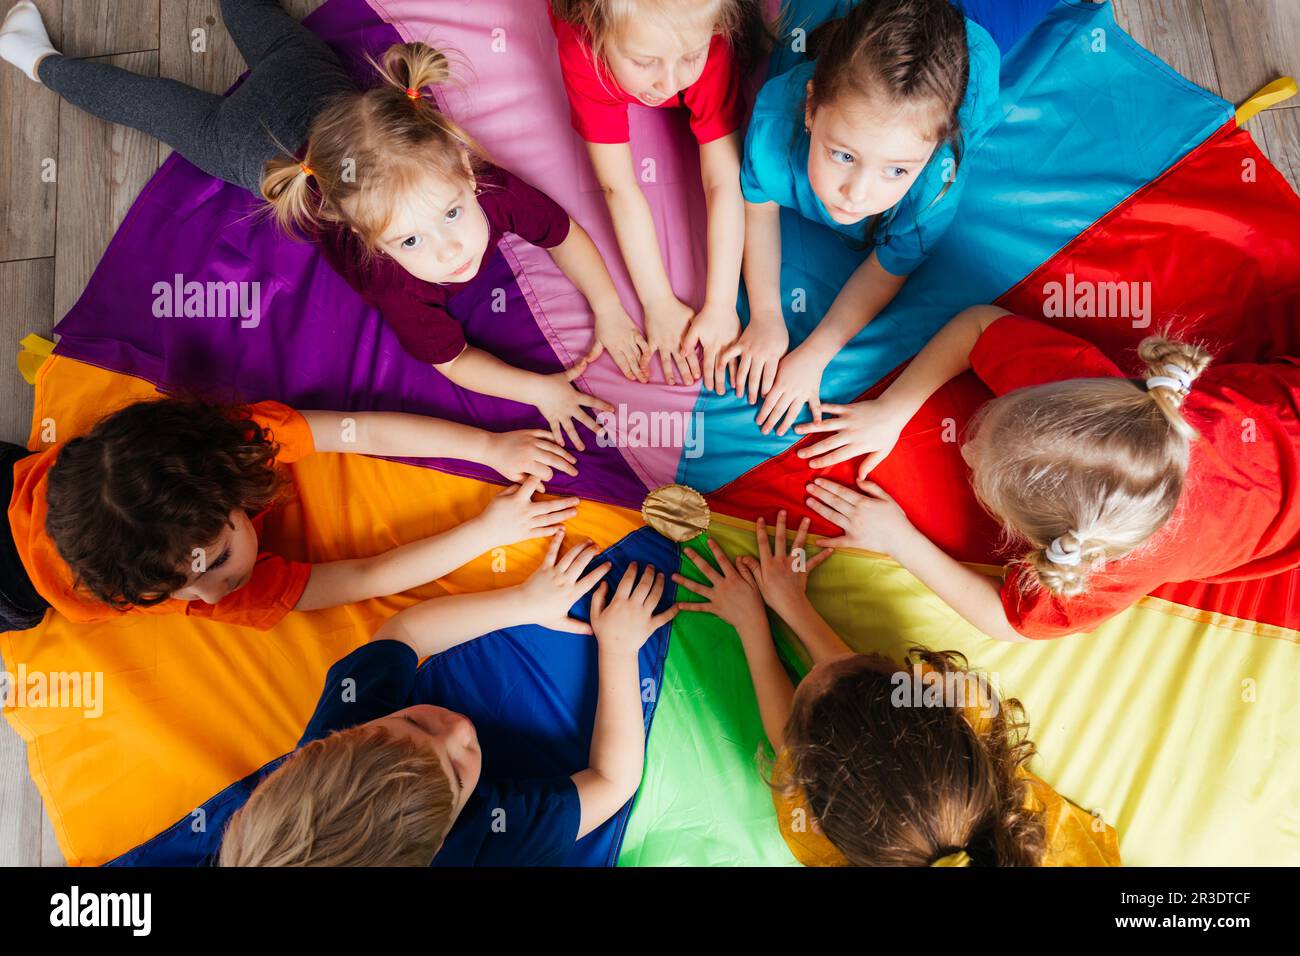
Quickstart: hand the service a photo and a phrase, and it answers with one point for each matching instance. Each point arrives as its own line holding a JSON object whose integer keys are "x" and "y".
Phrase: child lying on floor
{"x": 872, "y": 767}
{"x": 159, "y": 508}
{"x": 379, "y": 779}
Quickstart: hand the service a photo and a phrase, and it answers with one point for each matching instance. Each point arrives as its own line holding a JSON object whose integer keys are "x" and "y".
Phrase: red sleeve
{"x": 289, "y": 429}
{"x": 714, "y": 99}
{"x": 272, "y": 591}
{"x": 1016, "y": 352}
{"x": 515, "y": 206}
{"x": 1040, "y": 615}
{"x": 596, "y": 108}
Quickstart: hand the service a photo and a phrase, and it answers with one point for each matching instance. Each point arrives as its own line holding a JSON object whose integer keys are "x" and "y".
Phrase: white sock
{"x": 23, "y": 40}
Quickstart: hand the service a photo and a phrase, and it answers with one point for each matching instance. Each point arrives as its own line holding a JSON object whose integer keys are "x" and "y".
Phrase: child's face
{"x": 449, "y": 735}
{"x": 863, "y": 160}
{"x": 655, "y": 63}
{"x": 223, "y": 565}
{"x": 440, "y": 233}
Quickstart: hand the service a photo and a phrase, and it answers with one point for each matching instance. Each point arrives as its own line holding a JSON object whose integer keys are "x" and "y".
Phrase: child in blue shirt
{"x": 379, "y": 781}
{"x": 866, "y": 138}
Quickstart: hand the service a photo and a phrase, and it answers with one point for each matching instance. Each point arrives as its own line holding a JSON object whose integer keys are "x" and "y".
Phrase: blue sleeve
{"x": 765, "y": 164}
{"x": 515, "y": 823}
{"x": 373, "y": 681}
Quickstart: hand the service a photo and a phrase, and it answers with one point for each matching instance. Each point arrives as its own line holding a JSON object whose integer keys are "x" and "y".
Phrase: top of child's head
{"x": 384, "y": 793}
{"x": 154, "y": 502}
{"x": 655, "y": 49}
{"x": 904, "y": 765}
{"x": 389, "y": 165}
{"x": 1088, "y": 469}
{"x": 888, "y": 82}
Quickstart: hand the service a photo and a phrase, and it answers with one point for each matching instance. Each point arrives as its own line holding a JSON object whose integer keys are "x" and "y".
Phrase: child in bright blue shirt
{"x": 379, "y": 780}
{"x": 867, "y": 138}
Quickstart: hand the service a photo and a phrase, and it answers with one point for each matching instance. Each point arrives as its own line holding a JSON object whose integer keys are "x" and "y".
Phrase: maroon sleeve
{"x": 515, "y": 206}
{"x": 424, "y": 327}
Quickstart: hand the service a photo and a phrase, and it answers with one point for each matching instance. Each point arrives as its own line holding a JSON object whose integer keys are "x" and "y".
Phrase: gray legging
{"x": 292, "y": 75}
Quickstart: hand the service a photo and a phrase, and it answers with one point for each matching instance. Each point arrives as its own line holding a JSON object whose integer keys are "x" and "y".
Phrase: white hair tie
{"x": 1058, "y": 554}
{"x": 1175, "y": 377}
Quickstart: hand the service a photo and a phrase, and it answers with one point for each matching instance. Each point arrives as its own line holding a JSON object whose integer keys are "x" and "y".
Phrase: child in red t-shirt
{"x": 678, "y": 53}
{"x": 1118, "y": 485}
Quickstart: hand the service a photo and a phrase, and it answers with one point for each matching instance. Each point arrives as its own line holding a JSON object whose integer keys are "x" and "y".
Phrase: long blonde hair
{"x": 1089, "y": 467}
{"x": 740, "y": 21}
{"x": 359, "y": 797}
{"x": 366, "y": 150}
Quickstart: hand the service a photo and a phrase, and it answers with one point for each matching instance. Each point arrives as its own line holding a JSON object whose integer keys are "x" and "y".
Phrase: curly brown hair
{"x": 130, "y": 500}
{"x": 893, "y": 785}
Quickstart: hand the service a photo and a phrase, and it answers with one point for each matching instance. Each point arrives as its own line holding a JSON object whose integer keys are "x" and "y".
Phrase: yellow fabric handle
{"x": 33, "y": 350}
{"x": 1278, "y": 91}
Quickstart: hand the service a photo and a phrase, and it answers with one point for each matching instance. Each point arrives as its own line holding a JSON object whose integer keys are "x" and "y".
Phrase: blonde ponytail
{"x": 1159, "y": 353}
{"x": 1086, "y": 470}
{"x": 367, "y": 150}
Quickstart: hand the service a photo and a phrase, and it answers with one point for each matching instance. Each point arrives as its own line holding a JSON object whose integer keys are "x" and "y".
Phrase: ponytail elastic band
{"x": 412, "y": 93}
{"x": 1176, "y": 377}
{"x": 960, "y": 858}
{"x": 1057, "y": 553}
{"x": 306, "y": 170}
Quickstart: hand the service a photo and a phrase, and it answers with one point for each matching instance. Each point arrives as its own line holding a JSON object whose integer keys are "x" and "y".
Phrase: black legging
{"x": 292, "y": 75}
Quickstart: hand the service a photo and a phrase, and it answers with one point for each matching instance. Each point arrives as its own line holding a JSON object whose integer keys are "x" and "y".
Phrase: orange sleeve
{"x": 272, "y": 591}
{"x": 288, "y": 427}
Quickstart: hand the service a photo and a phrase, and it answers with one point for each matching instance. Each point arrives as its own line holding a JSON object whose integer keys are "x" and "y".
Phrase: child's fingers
{"x": 693, "y": 587}
{"x": 548, "y": 505}
{"x": 818, "y": 558}
{"x": 588, "y": 580}
{"x": 598, "y": 600}
{"x": 874, "y": 490}
{"x": 834, "y": 517}
{"x": 549, "y": 524}
{"x": 666, "y": 364}
{"x": 843, "y": 453}
{"x": 702, "y": 566}
{"x": 692, "y": 363}
{"x": 695, "y": 607}
{"x": 769, "y": 375}
{"x": 869, "y": 464}
{"x": 624, "y": 362}
{"x": 569, "y": 557}
{"x": 642, "y": 585}
{"x": 828, "y": 545}
{"x": 791, "y": 415}
{"x": 746, "y": 571}
{"x": 553, "y": 549}
{"x": 778, "y": 540}
{"x": 823, "y": 447}
{"x": 653, "y": 593}
{"x": 760, "y": 536}
{"x": 626, "y": 583}
{"x": 583, "y": 418}
{"x": 662, "y": 618}
{"x": 553, "y": 463}
{"x": 774, "y": 405}
{"x": 684, "y": 369}
{"x": 599, "y": 404}
{"x": 801, "y": 533}
{"x": 555, "y": 434}
{"x": 724, "y": 563}
{"x": 567, "y": 424}
{"x": 571, "y": 626}
{"x": 836, "y": 490}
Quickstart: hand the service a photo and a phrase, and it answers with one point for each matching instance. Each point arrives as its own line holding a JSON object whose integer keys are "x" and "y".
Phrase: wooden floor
{"x": 52, "y": 233}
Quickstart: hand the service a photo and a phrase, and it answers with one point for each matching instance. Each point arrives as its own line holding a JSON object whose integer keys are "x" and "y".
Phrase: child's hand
{"x": 558, "y": 584}
{"x": 665, "y": 327}
{"x": 513, "y": 515}
{"x": 714, "y": 329}
{"x": 618, "y": 335}
{"x": 798, "y": 383}
{"x": 868, "y": 428}
{"x": 756, "y": 356}
{"x": 782, "y": 577}
{"x": 872, "y": 521}
{"x": 562, "y": 404}
{"x": 629, "y": 619}
{"x": 529, "y": 452}
{"x": 731, "y": 592}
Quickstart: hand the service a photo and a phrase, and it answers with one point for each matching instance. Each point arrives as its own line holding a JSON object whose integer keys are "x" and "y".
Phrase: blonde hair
{"x": 367, "y": 150}
{"x": 1087, "y": 469}
{"x": 741, "y": 22}
{"x": 359, "y": 797}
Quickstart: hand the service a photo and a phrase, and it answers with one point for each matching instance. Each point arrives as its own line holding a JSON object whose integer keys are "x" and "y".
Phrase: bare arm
{"x": 396, "y": 433}
{"x": 755, "y": 357}
{"x": 618, "y": 736}
{"x": 772, "y": 685}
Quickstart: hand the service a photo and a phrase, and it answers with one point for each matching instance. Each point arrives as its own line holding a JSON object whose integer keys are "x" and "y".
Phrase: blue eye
{"x": 841, "y": 157}
{"x": 453, "y": 215}
{"x": 895, "y": 172}
{"x": 412, "y": 242}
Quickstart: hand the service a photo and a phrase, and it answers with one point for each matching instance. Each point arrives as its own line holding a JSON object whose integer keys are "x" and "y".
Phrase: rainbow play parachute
{"x": 1176, "y": 722}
